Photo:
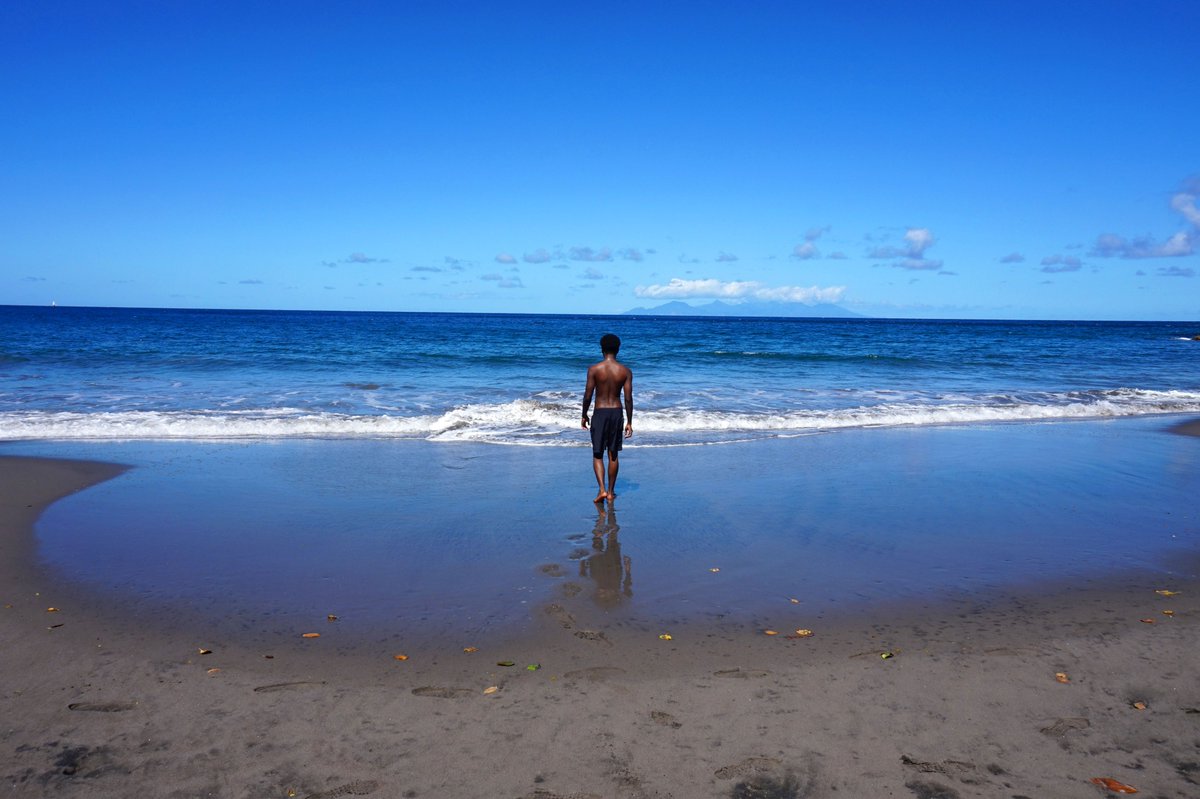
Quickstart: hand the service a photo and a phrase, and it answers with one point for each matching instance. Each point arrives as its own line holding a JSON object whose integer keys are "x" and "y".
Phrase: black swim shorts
{"x": 608, "y": 428}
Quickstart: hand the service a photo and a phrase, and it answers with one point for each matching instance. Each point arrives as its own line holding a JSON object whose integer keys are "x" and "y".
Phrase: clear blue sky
{"x": 948, "y": 159}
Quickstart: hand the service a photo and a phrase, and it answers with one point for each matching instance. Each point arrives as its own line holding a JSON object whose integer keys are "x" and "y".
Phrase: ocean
{"x": 425, "y": 474}
{"x": 151, "y": 374}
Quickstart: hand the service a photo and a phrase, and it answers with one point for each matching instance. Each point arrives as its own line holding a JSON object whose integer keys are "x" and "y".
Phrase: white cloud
{"x": 679, "y": 288}
{"x": 916, "y": 241}
{"x": 505, "y": 258}
{"x": 805, "y": 251}
{"x": 538, "y": 256}
{"x": 632, "y": 254}
{"x": 1110, "y": 245}
{"x": 1013, "y": 258}
{"x": 592, "y": 273}
{"x": 726, "y": 257}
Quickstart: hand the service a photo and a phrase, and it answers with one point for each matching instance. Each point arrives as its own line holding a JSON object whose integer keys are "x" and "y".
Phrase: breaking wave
{"x": 544, "y": 422}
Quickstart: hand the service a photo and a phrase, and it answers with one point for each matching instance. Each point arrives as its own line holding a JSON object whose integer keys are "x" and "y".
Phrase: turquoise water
{"x": 80, "y": 373}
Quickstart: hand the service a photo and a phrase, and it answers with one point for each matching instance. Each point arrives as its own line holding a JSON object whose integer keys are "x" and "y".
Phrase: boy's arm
{"x": 588, "y": 390}
{"x": 629, "y": 405}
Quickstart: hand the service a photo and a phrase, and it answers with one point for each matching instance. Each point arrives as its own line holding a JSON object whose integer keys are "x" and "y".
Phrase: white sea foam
{"x": 554, "y": 422}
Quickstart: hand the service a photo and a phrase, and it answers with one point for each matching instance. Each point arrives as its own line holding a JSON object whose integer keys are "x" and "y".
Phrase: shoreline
{"x": 119, "y": 699}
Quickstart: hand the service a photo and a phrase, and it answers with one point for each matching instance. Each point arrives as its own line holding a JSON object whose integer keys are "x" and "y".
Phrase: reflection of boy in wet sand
{"x": 608, "y": 379}
{"x": 612, "y": 572}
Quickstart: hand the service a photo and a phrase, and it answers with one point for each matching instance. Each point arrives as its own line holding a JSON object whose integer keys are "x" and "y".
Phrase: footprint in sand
{"x": 665, "y": 719}
{"x": 594, "y": 674}
{"x": 931, "y": 790}
{"x": 741, "y": 674}
{"x": 356, "y": 788}
{"x": 102, "y": 707}
{"x": 1060, "y": 727}
{"x": 592, "y": 635}
{"x": 747, "y": 766}
{"x": 439, "y": 692}
{"x": 284, "y": 686}
{"x": 560, "y": 615}
{"x": 552, "y": 570}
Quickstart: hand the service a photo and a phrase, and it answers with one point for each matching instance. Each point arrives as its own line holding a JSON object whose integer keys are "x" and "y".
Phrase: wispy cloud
{"x": 1054, "y": 264}
{"x": 592, "y": 273}
{"x": 427, "y": 269}
{"x": 912, "y": 255}
{"x": 632, "y": 254}
{"x": 807, "y": 249}
{"x": 1184, "y": 242}
{"x": 679, "y": 288}
{"x": 1013, "y": 258}
{"x": 539, "y": 256}
{"x": 1176, "y": 271}
{"x": 251, "y": 282}
{"x": 456, "y": 264}
{"x": 32, "y": 279}
{"x": 504, "y": 282}
{"x": 726, "y": 257}
{"x": 363, "y": 258}
{"x": 588, "y": 254}
{"x": 505, "y": 258}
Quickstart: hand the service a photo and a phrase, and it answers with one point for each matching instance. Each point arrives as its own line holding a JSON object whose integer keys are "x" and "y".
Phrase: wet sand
{"x": 109, "y": 698}
{"x": 1190, "y": 428}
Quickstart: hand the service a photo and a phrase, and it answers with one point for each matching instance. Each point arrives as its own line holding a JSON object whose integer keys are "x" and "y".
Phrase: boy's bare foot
{"x": 599, "y": 497}
{"x": 611, "y": 496}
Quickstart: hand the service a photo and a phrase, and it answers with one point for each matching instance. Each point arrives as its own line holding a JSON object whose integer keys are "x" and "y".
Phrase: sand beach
{"x": 951, "y": 692}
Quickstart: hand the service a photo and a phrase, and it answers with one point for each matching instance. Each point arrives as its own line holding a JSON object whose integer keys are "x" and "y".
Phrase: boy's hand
{"x": 585, "y": 423}
{"x": 629, "y": 430}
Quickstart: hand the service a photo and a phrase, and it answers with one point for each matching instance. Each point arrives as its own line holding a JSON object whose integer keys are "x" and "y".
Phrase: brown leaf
{"x": 204, "y": 651}
{"x": 770, "y": 632}
{"x": 1168, "y": 613}
{"x": 1146, "y": 621}
{"x": 1166, "y": 592}
{"x": 52, "y": 610}
{"x": 1113, "y": 785}
{"x": 491, "y": 689}
{"x": 399, "y": 657}
{"x": 470, "y": 649}
{"x": 1139, "y": 705}
{"x": 1062, "y": 677}
{"x": 331, "y": 617}
{"x": 213, "y": 671}
{"x": 310, "y": 635}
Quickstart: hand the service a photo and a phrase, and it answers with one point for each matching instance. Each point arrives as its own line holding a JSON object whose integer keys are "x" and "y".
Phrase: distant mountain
{"x": 718, "y": 308}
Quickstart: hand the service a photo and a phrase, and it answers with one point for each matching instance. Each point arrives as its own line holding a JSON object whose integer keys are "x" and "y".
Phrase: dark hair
{"x": 610, "y": 343}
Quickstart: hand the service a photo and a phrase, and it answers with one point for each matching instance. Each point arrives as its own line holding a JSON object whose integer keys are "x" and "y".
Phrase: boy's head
{"x": 610, "y": 343}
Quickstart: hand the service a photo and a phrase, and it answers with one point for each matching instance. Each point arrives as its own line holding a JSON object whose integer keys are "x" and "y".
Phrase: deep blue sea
{"x": 117, "y": 373}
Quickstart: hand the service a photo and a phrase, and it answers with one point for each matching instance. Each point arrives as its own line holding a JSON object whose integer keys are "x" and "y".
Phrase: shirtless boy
{"x": 608, "y": 379}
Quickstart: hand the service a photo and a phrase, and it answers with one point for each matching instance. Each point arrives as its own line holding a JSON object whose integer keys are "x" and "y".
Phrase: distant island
{"x": 718, "y": 308}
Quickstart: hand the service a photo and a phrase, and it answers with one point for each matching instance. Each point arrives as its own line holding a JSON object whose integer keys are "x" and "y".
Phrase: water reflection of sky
{"x": 414, "y": 535}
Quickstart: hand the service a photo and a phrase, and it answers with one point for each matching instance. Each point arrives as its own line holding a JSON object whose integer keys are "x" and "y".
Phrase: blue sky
{"x": 948, "y": 159}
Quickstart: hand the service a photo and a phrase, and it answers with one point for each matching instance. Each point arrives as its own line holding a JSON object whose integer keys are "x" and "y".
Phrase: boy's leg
{"x": 613, "y": 466}
{"x": 598, "y": 468}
